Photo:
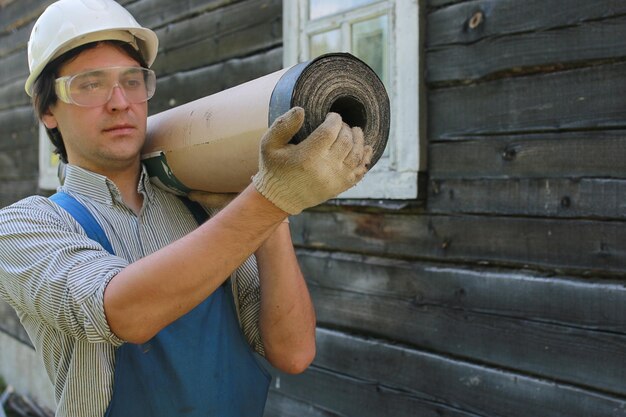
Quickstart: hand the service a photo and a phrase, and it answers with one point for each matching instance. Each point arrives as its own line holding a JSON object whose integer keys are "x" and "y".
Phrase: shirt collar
{"x": 100, "y": 188}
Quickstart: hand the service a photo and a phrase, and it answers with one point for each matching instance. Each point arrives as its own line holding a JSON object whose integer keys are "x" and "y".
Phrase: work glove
{"x": 332, "y": 159}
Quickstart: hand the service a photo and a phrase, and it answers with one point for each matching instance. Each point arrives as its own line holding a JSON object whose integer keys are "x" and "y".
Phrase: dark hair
{"x": 44, "y": 94}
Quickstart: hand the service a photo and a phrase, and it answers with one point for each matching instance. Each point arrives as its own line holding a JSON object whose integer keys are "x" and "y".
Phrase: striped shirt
{"x": 54, "y": 276}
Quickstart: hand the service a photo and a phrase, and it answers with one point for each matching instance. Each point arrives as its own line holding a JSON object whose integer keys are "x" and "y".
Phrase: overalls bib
{"x": 199, "y": 366}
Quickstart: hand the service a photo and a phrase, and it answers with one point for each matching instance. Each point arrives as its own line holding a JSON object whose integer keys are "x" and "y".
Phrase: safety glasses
{"x": 95, "y": 88}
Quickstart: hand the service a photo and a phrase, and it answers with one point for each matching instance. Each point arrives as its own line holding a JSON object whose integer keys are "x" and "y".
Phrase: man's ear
{"x": 49, "y": 121}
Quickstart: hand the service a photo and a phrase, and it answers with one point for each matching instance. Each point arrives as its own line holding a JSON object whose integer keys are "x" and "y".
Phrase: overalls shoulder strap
{"x": 80, "y": 213}
{"x": 93, "y": 229}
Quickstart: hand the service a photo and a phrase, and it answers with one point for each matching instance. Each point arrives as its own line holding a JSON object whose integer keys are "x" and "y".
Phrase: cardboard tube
{"x": 212, "y": 144}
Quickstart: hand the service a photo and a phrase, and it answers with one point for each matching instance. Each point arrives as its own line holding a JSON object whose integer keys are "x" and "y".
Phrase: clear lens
{"x": 95, "y": 88}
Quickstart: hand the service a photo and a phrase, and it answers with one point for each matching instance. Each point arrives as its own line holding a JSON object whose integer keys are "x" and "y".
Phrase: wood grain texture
{"x": 18, "y": 128}
{"x": 18, "y": 154}
{"x": 280, "y": 405}
{"x": 591, "y": 198}
{"x": 160, "y": 13}
{"x": 13, "y": 95}
{"x": 586, "y": 247}
{"x": 344, "y": 395}
{"x": 528, "y": 52}
{"x": 14, "y": 15}
{"x": 585, "y": 303}
{"x": 419, "y": 383}
{"x": 511, "y": 320}
{"x": 241, "y": 29}
{"x": 581, "y": 99}
{"x": 441, "y": 3}
{"x": 558, "y": 155}
{"x": 14, "y": 68}
{"x": 451, "y": 25}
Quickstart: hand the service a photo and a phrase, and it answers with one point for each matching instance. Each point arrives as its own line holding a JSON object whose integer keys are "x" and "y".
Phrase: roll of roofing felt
{"x": 212, "y": 144}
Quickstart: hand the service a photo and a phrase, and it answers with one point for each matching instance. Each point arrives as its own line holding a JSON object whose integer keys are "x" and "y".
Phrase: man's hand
{"x": 330, "y": 160}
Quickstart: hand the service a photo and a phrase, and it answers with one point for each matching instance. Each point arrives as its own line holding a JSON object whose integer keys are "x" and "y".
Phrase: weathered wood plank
{"x": 18, "y": 129}
{"x": 552, "y": 352}
{"x": 18, "y": 151}
{"x": 184, "y": 87}
{"x": 469, "y": 388}
{"x": 567, "y": 301}
{"x": 218, "y": 21}
{"x": 4, "y": 3}
{"x": 586, "y": 197}
{"x": 16, "y": 14}
{"x": 15, "y": 40}
{"x": 159, "y": 13}
{"x": 14, "y": 67}
{"x": 237, "y": 30}
{"x": 491, "y": 317}
{"x": 568, "y": 100}
{"x": 347, "y": 396}
{"x": 18, "y": 164}
{"x": 279, "y": 405}
{"x": 552, "y": 49}
{"x": 566, "y": 155}
{"x": 580, "y": 246}
{"x": 450, "y": 25}
{"x": 431, "y": 4}
{"x": 13, "y": 95}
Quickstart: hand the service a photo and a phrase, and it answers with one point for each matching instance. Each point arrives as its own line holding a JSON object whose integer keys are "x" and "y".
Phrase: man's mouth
{"x": 120, "y": 128}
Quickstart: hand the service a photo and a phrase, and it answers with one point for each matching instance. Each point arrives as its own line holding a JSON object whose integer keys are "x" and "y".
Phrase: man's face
{"x": 104, "y": 138}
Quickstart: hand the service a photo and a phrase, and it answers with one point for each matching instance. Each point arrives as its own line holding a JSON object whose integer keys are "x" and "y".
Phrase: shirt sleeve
{"x": 247, "y": 293}
{"x": 52, "y": 272}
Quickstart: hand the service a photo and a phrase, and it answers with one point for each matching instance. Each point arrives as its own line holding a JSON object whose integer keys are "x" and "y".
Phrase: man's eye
{"x": 90, "y": 86}
{"x": 133, "y": 82}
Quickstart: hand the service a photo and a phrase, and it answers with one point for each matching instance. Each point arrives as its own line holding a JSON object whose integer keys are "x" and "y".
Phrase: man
{"x": 151, "y": 328}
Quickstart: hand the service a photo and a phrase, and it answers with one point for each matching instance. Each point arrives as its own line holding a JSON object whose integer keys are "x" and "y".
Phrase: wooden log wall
{"x": 501, "y": 292}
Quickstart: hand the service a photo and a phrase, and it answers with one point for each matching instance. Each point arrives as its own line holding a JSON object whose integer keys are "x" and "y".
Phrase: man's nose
{"x": 118, "y": 98}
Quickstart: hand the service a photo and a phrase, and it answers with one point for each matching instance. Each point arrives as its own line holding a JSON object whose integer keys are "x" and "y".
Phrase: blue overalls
{"x": 199, "y": 366}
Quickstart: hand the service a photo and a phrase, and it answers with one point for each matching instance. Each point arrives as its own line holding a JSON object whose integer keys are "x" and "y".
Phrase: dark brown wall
{"x": 502, "y": 292}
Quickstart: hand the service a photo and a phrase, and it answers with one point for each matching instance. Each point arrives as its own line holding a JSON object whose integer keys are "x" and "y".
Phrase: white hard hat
{"x": 67, "y": 24}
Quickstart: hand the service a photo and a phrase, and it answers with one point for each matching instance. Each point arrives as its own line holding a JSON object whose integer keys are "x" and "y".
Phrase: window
{"x": 384, "y": 34}
{"x": 48, "y": 162}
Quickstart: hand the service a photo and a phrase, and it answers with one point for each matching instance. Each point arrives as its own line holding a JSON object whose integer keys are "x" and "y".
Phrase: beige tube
{"x": 212, "y": 144}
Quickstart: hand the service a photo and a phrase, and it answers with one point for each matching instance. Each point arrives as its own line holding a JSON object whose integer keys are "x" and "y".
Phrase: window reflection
{"x": 370, "y": 43}
{"x": 325, "y": 42}
{"x": 321, "y": 8}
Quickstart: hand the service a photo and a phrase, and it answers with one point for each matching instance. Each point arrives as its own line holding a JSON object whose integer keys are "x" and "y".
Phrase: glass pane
{"x": 321, "y": 8}
{"x": 325, "y": 42}
{"x": 370, "y": 43}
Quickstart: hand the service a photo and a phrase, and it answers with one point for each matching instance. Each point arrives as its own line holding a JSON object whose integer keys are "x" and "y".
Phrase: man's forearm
{"x": 154, "y": 291}
{"x": 287, "y": 319}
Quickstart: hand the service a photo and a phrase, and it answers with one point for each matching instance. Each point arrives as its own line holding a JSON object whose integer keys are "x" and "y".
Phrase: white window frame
{"x": 395, "y": 176}
{"x": 48, "y": 162}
